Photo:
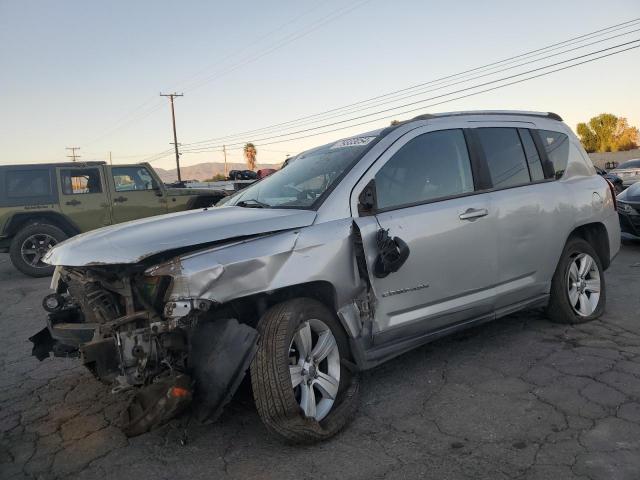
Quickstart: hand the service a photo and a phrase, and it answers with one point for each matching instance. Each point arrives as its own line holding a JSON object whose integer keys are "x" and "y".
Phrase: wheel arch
{"x": 250, "y": 309}
{"x": 596, "y": 234}
{"x": 20, "y": 220}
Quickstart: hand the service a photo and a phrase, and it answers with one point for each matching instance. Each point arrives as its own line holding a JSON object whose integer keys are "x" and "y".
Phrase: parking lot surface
{"x": 516, "y": 398}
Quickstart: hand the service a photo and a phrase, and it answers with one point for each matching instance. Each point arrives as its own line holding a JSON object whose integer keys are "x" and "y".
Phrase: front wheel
{"x": 578, "y": 291}
{"x": 302, "y": 389}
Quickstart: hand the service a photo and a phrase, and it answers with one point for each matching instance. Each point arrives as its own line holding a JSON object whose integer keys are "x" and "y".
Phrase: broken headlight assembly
{"x": 185, "y": 286}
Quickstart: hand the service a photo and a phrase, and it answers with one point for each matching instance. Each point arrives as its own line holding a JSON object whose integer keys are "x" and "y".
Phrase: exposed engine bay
{"x": 127, "y": 335}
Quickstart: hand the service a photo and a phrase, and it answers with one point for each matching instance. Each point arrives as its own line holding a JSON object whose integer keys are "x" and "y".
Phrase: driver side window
{"x": 429, "y": 167}
{"x": 128, "y": 179}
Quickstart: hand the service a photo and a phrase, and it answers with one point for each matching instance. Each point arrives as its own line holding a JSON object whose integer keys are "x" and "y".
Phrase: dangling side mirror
{"x": 367, "y": 199}
{"x": 393, "y": 252}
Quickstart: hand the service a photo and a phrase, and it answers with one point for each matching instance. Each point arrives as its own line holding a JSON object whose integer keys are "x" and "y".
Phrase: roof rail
{"x": 424, "y": 116}
{"x": 550, "y": 115}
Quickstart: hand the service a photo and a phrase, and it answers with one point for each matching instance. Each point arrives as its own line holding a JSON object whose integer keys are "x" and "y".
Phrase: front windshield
{"x": 306, "y": 176}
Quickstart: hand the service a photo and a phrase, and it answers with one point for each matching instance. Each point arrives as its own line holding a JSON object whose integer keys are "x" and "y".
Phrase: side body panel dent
{"x": 316, "y": 253}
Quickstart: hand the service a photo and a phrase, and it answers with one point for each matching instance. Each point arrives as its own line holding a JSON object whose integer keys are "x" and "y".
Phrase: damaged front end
{"x": 118, "y": 321}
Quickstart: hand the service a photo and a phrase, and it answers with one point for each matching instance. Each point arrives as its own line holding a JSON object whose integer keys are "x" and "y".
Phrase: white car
{"x": 629, "y": 172}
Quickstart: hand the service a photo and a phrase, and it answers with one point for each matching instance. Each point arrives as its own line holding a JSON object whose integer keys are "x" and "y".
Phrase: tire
{"x": 565, "y": 291}
{"x": 41, "y": 236}
{"x": 278, "y": 402}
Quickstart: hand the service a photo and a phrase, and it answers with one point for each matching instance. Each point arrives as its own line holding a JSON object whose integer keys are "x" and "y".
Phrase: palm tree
{"x": 250, "y": 154}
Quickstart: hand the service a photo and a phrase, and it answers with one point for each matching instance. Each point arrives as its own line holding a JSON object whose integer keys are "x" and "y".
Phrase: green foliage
{"x": 607, "y": 133}
{"x": 250, "y": 154}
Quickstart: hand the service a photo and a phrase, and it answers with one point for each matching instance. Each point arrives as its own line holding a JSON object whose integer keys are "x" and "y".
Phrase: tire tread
{"x": 270, "y": 378}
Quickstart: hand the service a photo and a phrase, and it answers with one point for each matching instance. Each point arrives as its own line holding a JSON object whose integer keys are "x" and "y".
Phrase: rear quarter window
{"x": 27, "y": 183}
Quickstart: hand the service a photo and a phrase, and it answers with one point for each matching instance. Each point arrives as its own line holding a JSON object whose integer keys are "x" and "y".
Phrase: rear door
{"x": 426, "y": 196}
{"x": 83, "y": 196}
{"x": 134, "y": 193}
{"x": 525, "y": 212}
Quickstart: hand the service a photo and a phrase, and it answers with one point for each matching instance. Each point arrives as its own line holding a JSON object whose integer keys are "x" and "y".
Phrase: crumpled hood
{"x": 131, "y": 242}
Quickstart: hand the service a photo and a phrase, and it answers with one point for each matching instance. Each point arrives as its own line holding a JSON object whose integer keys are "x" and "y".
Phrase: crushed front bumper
{"x": 63, "y": 336}
{"x": 219, "y": 354}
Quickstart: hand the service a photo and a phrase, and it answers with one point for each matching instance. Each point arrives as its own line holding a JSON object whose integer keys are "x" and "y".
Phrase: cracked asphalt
{"x": 517, "y": 398}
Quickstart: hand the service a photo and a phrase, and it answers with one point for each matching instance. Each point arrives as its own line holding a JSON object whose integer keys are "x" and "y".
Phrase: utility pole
{"x": 224, "y": 150}
{"x": 73, "y": 155}
{"x": 175, "y": 136}
{"x": 110, "y": 161}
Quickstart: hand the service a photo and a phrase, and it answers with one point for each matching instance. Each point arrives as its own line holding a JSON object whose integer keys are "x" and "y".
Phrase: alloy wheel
{"x": 583, "y": 284}
{"x": 314, "y": 367}
{"x": 35, "y": 247}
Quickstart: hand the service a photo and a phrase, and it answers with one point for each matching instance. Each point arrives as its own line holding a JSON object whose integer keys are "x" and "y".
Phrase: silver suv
{"x": 355, "y": 252}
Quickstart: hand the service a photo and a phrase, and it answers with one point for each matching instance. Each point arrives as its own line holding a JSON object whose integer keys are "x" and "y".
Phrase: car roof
{"x": 24, "y": 166}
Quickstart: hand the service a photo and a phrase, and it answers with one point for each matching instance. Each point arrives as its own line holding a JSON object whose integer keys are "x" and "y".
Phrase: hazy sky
{"x": 88, "y": 74}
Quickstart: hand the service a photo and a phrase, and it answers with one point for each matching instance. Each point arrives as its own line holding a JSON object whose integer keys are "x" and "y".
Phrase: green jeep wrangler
{"x": 43, "y": 204}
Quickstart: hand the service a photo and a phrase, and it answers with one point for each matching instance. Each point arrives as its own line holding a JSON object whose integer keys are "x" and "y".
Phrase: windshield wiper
{"x": 252, "y": 203}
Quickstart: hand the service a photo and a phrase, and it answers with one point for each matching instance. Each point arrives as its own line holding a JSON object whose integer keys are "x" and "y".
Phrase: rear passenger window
{"x": 557, "y": 146}
{"x": 79, "y": 181}
{"x": 28, "y": 183}
{"x": 533, "y": 159}
{"x": 431, "y": 166}
{"x": 505, "y": 156}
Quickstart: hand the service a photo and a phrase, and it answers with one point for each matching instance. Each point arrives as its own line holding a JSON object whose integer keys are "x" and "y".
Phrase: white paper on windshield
{"x": 352, "y": 142}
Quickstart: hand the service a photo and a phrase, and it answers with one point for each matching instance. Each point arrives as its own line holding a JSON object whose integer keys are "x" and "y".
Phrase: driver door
{"x": 426, "y": 195}
{"x": 83, "y": 197}
{"x": 134, "y": 193}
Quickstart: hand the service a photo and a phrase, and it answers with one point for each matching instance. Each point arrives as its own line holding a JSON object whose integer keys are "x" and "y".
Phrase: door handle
{"x": 120, "y": 199}
{"x": 73, "y": 202}
{"x": 473, "y": 213}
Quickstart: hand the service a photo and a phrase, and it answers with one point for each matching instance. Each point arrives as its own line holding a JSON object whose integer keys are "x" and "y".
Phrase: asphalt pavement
{"x": 517, "y": 398}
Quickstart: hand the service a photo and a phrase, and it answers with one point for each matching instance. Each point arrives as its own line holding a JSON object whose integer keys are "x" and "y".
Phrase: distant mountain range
{"x": 204, "y": 171}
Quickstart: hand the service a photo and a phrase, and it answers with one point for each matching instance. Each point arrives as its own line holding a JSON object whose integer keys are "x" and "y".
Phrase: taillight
{"x": 612, "y": 189}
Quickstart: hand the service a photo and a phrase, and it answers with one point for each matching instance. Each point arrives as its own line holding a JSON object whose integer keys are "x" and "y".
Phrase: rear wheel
{"x": 303, "y": 391}
{"x": 31, "y": 244}
{"x": 578, "y": 291}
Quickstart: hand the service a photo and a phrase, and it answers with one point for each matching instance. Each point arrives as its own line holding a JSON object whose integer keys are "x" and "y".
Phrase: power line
{"x": 333, "y": 15}
{"x": 298, "y": 34}
{"x": 256, "y": 41}
{"x": 448, "y": 100}
{"x": 427, "y": 99}
{"x": 538, "y": 51}
{"x": 422, "y": 92}
{"x": 535, "y": 52}
{"x": 201, "y": 145}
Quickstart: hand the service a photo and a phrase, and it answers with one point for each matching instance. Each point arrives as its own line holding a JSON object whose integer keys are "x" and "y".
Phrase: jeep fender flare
{"x": 21, "y": 219}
